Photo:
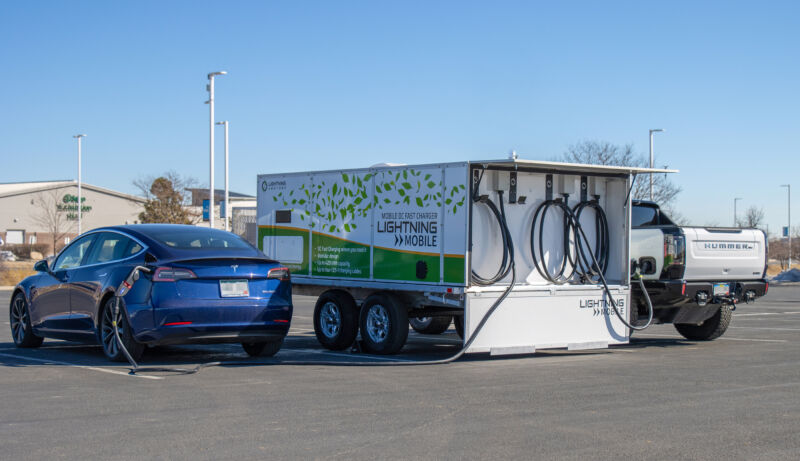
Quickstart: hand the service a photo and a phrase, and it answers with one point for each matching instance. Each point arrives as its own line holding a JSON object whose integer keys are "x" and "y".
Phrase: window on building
{"x": 32, "y": 240}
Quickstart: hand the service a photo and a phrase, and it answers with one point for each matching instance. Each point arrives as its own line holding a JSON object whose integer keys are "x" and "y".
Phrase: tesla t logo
{"x": 234, "y": 267}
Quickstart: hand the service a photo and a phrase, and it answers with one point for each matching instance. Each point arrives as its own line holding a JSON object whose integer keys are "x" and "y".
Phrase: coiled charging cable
{"x": 559, "y": 276}
{"x": 601, "y": 240}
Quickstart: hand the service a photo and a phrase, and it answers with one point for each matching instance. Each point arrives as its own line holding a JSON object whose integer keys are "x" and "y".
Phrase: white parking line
{"x": 725, "y": 339}
{"x": 75, "y": 365}
{"x": 766, "y": 328}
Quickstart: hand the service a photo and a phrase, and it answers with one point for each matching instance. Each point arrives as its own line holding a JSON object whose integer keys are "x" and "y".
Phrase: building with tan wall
{"x": 47, "y": 212}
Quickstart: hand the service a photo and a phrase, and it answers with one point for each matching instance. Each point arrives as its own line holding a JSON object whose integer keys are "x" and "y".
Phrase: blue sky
{"x": 324, "y": 85}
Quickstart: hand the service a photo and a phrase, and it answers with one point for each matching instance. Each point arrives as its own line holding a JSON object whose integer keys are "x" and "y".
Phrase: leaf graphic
{"x": 347, "y": 227}
{"x": 405, "y": 174}
{"x": 291, "y": 192}
{"x": 431, "y": 184}
{"x": 294, "y": 201}
{"x": 448, "y": 201}
{"x": 364, "y": 193}
{"x": 419, "y": 202}
{"x": 406, "y": 185}
{"x": 353, "y": 225}
{"x": 358, "y": 181}
{"x": 368, "y": 177}
{"x": 358, "y": 200}
{"x": 302, "y": 218}
{"x": 455, "y": 207}
{"x": 335, "y": 189}
{"x": 345, "y": 178}
{"x": 407, "y": 200}
{"x": 427, "y": 177}
{"x": 438, "y": 203}
{"x": 274, "y": 199}
{"x": 401, "y": 192}
{"x": 419, "y": 184}
{"x": 386, "y": 200}
{"x": 302, "y": 201}
{"x": 397, "y": 202}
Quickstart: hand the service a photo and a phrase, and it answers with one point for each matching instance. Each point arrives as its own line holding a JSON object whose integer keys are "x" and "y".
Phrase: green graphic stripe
{"x": 454, "y": 269}
{"x": 333, "y": 257}
{"x": 264, "y": 231}
{"x": 401, "y": 265}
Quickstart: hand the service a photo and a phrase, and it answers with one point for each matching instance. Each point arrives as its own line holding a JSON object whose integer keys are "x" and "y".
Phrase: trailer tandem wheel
{"x": 430, "y": 325}
{"x": 335, "y": 320}
{"x": 384, "y": 324}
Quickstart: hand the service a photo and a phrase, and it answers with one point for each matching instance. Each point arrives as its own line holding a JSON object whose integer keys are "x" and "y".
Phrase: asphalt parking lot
{"x": 660, "y": 397}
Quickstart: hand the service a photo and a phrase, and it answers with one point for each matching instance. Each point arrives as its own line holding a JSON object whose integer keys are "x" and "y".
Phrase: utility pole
{"x": 227, "y": 208}
{"x": 80, "y": 195}
{"x": 789, "y": 194}
{"x": 211, "y": 194}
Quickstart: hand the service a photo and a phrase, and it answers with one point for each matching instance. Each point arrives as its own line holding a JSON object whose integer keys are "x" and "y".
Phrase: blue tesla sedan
{"x": 203, "y": 285}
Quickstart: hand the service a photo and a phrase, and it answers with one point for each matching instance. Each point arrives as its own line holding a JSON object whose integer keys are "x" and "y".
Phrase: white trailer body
{"x": 415, "y": 233}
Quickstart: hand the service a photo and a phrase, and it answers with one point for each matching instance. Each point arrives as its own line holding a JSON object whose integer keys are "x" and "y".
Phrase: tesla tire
{"x": 108, "y": 339}
{"x": 264, "y": 349}
{"x": 20, "y": 320}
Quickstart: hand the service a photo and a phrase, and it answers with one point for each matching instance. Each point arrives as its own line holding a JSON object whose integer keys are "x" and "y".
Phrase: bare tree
{"x": 753, "y": 217}
{"x": 50, "y": 217}
{"x": 168, "y": 199}
{"x": 605, "y": 153}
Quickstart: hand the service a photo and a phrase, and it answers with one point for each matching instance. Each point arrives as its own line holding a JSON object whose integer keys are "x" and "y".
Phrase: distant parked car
{"x": 205, "y": 285}
{"x": 7, "y": 256}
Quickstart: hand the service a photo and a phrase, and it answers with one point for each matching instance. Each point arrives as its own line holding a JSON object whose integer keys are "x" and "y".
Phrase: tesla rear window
{"x": 199, "y": 239}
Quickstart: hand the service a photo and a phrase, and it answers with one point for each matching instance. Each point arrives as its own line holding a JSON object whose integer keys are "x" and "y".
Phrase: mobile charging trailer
{"x": 381, "y": 244}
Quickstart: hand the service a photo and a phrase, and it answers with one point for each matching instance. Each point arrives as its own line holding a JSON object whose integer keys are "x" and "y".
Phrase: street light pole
{"x": 227, "y": 209}
{"x": 80, "y": 196}
{"x": 657, "y": 130}
{"x": 789, "y": 194}
{"x": 211, "y": 197}
{"x": 735, "y": 222}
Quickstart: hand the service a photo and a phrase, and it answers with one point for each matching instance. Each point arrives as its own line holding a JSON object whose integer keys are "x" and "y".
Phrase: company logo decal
{"x": 727, "y": 246}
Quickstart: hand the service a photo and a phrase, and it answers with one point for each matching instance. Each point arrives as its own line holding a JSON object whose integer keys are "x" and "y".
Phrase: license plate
{"x": 234, "y": 288}
{"x": 721, "y": 289}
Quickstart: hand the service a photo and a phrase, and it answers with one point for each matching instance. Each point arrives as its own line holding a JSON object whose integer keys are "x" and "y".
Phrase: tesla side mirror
{"x": 41, "y": 266}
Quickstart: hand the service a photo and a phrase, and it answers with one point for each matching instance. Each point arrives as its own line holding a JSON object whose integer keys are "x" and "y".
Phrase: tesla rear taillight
{"x": 280, "y": 273}
{"x": 172, "y": 274}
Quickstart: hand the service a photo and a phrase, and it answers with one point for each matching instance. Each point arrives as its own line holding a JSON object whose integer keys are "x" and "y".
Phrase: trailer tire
{"x": 430, "y": 325}
{"x": 458, "y": 321}
{"x": 384, "y": 324}
{"x": 710, "y": 329}
{"x": 335, "y": 320}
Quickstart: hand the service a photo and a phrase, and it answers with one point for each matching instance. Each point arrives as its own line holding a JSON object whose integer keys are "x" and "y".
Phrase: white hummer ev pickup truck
{"x": 695, "y": 275}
